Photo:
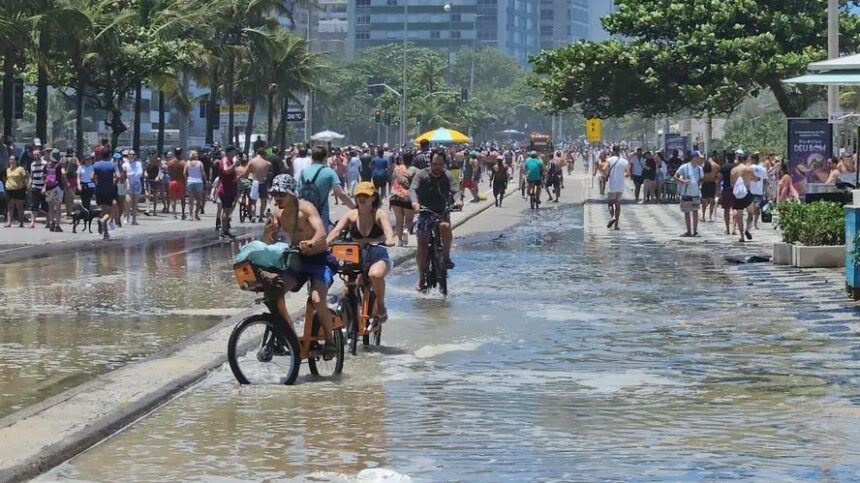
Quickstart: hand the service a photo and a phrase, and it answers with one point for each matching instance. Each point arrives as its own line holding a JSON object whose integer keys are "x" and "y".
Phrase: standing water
{"x": 554, "y": 357}
{"x": 67, "y": 318}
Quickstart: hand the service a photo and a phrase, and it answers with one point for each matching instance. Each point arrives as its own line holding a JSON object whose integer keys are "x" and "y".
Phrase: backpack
{"x": 51, "y": 178}
{"x": 309, "y": 191}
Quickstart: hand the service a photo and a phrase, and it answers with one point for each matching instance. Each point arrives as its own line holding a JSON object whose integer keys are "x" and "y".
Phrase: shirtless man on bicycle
{"x": 304, "y": 227}
{"x": 431, "y": 188}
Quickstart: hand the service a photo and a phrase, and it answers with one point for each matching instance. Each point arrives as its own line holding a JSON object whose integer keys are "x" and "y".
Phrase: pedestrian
{"x": 86, "y": 182}
{"x": 301, "y": 162}
{"x": 227, "y": 190}
{"x": 37, "y": 187}
{"x": 471, "y": 175}
{"x": 785, "y": 190}
{"x": 153, "y": 182}
{"x": 741, "y": 177}
{"x": 106, "y": 173}
{"x": 196, "y": 187}
{"x": 71, "y": 164}
{"x": 55, "y": 181}
{"x": 16, "y": 190}
{"x": 322, "y": 180}
{"x": 689, "y": 176}
{"x": 379, "y": 167}
{"x": 499, "y": 178}
{"x": 121, "y": 159}
{"x": 134, "y": 172}
{"x": 353, "y": 172}
{"x": 617, "y": 171}
{"x": 726, "y": 196}
{"x": 649, "y": 175}
{"x": 176, "y": 188}
{"x": 399, "y": 201}
{"x": 636, "y": 171}
{"x": 758, "y": 186}
{"x": 710, "y": 177}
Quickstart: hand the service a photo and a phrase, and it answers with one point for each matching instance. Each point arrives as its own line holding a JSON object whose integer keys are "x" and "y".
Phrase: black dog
{"x": 85, "y": 216}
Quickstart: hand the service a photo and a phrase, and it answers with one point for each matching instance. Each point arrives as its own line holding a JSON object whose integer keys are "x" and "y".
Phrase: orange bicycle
{"x": 264, "y": 348}
{"x": 356, "y": 306}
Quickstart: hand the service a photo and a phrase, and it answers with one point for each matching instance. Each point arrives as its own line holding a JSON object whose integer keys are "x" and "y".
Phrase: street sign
{"x": 240, "y": 114}
{"x": 835, "y": 117}
{"x": 295, "y": 116}
{"x": 594, "y": 129}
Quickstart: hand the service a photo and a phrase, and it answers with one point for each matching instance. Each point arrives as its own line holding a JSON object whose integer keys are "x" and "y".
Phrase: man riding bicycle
{"x": 431, "y": 188}
{"x": 534, "y": 174}
{"x": 304, "y": 227}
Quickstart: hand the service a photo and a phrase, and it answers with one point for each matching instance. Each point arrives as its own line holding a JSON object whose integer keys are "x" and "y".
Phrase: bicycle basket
{"x": 348, "y": 255}
{"x": 246, "y": 277}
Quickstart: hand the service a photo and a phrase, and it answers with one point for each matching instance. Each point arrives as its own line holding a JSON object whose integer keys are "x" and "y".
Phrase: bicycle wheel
{"x": 326, "y": 367}
{"x": 261, "y": 352}
{"x": 350, "y": 319}
{"x": 370, "y": 303}
{"x": 241, "y": 212}
{"x": 440, "y": 269}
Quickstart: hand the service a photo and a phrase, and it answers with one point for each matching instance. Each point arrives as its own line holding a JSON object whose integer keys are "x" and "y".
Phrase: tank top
{"x": 375, "y": 231}
{"x": 195, "y": 173}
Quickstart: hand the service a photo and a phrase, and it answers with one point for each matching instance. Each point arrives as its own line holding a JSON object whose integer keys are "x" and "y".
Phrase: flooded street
{"x": 556, "y": 356}
{"x": 67, "y": 318}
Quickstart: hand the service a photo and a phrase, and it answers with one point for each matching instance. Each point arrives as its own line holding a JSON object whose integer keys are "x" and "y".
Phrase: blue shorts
{"x": 376, "y": 254}
{"x": 194, "y": 188}
{"x": 136, "y": 187}
{"x": 314, "y": 267}
{"x": 424, "y": 223}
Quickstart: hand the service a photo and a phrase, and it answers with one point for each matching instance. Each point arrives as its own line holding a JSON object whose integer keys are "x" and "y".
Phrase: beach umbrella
{"x": 443, "y": 136}
{"x": 327, "y": 136}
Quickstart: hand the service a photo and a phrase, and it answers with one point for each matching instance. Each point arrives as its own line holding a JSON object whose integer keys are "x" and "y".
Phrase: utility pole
{"x": 308, "y": 101}
{"x": 403, "y": 129}
{"x": 832, "y": 53}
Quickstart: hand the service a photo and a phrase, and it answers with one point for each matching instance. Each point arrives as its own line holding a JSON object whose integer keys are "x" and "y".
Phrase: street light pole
{"x": 403, "y": 129}
{"x": 447, "y": 9}
{"x": 472, "y": 67}
{"x": 832, "y": 52}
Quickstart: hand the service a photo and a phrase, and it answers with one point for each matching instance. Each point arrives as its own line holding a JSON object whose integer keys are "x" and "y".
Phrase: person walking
{"x": 37, "y": 187}
{"x": 689, "y": 176}
{"x": 617, "y": 172}
{"x": 16, "y": 190}
{"x": 758, "y": 186}
{"x": 710, "y": 177}
{"x": 55, "y": 181}
{"x": 195, "y": 175}
{"x": 134, "y": 173}
{"x": 399, "y": 201}
{"x": 86, "y": 182}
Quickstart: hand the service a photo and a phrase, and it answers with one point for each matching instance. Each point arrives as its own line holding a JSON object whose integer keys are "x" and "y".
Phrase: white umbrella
{"x": 327, "y": 136}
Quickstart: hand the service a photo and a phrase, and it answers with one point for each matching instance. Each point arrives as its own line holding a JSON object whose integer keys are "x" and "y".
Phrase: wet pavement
{"x": 556, "y": 356}
{"x": 67, "y": 318}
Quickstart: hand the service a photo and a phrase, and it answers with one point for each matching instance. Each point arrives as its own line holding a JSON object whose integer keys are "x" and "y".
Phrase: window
{"x": 434, "y": 34}
{"x": 362, "y": 35}
{"x": 455, "y": 34}
{"x": 455, "y": 17}
{"x": 392, "y": 3}
{"x": 362, "y": 3}
{"x": 362, "y": 20}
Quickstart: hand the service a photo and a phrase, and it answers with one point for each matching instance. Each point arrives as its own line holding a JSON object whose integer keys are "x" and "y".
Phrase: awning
{"x": 849, "y": 62}
{"x": 830, "y": 77}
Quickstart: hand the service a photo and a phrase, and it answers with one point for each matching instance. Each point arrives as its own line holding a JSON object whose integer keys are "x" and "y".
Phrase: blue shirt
{"x": 353, "y": 168}
{"x": 326, "y": 180}
{"x": 534, "y": 168}
{"x": 104, "y": 171}
{"x": 379, "y": 167}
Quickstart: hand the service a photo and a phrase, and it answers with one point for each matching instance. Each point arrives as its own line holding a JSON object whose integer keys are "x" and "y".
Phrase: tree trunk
{"x": 79, "y": 116}
{"x": 8, "y": 88}
{"x": 161, "y": 108}
{"x": 211, "y": 108}
{"x": 284, "y": 110}
{"x": 249, "y": 126}
{"x": 42, "y": 89}
{"x": 138, "y": 101}
{"x": 183, "y": 115}
{"x": 115, "y": 126}
{"x": 783, "y": 98}
{"x": 231, "y": 134}
{"x": 709, "y": 134}
{"x": 270, "y": 107}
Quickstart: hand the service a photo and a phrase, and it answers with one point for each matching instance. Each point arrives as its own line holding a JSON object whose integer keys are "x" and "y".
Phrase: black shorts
{"x": 20, "y": 194}
{"x": 399, "y": 202}
{"x": 106, "y": 196}
{"x": 638, "y": 179}
{"x": 227, "y": 200}
{"x": 741, "y": 204}
{"x": 380, "y": 182}
{"x": 709, "y": 189}
{"x": 38, "y": 201}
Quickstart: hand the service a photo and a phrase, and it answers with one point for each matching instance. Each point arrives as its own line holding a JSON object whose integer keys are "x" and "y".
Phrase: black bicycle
{"x": 436, "y": 274}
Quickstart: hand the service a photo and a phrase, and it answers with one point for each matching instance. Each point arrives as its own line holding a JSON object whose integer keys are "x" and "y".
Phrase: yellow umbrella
{"x": 444, "y": 136}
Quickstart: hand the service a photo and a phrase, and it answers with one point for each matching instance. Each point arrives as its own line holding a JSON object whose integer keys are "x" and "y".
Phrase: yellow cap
{"x": 365, "y": 188}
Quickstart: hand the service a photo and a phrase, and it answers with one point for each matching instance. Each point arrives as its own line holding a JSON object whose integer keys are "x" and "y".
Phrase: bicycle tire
{"x": 288, "y": 338}
{"x": 242, "y": 213}
{"x": 365, "y": 339}
{"x": 350, "y": 320}
{"x": 441, "y": 270}
{"x": 337, "y": 336}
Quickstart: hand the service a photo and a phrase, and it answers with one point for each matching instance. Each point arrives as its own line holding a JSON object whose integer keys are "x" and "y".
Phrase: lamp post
{"x": 403, "y": 130}
{"x": 447, "y": 9}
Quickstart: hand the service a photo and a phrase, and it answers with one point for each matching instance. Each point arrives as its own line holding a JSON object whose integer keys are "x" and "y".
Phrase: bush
{"x": 813, "y": 224}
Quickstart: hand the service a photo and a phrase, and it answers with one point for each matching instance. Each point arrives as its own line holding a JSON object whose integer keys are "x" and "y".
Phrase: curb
{"x": 107, "y": 425}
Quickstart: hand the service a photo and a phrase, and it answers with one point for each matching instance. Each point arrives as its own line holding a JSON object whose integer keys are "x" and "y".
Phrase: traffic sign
{"x": 295, "y": 116}
{"x": 240, "y": 114}
{"x": 594, "y": 129}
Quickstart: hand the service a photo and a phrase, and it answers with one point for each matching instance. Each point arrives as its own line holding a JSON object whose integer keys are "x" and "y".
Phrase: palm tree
{"x": 14, "y": 39}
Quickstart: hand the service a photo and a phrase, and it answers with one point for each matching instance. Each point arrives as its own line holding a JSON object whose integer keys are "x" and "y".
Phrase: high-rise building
{"x": 332, "y": 27}
{"x": 508, "y": 25}
{"x": 566, "y": 21}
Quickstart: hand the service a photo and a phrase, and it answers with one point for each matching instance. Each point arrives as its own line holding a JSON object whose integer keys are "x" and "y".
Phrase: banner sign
{"x": 810, "y": 143}
{"x": 594, "y": 130}
{"x": 674, "y": 142}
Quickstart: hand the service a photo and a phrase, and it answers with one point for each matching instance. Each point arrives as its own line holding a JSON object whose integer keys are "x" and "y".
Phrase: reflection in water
{"x": 66, "y": 318}
{"x": 555, "y": 358}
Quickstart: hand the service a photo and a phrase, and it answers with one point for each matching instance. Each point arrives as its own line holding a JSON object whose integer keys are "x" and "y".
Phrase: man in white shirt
{"x": 301, "y": 162}
{"x": 134, "y": 169}
{"x": 689, "y": 177}
{"x": 618, "y": 171}
{"x": 757, "y": 186}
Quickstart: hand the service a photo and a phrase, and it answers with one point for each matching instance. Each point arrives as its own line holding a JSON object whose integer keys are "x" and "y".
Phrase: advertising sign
{"x": 240, "y": 114}
{"x": 810, "y": 143}
{"x": 594, "y": 130}
{"x": 674, "y": 142}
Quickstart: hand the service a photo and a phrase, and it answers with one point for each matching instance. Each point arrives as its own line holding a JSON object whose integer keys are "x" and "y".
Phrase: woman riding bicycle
{"x": 368, "y": 224}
